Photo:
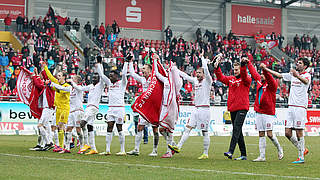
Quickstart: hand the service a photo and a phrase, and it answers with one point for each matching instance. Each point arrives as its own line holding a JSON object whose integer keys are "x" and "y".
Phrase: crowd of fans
{"x": 40, "y": 44}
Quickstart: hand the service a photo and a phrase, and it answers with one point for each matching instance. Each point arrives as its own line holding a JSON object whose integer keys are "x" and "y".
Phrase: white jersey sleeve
{"x": 286, "y": 76}
{"x": 61, "y": 88}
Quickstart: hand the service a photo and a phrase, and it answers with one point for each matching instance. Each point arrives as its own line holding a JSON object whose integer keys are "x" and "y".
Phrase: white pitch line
{"x": 164, "y": 167}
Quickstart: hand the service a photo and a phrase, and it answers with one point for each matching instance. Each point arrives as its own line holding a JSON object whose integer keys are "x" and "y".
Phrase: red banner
{"x": 140, "y": 14}
{"x": 313, "y": 117}
{"x": 248, "y": 20}
{"x": 11, "y": 126}
{"x": 14, "y": 7}
{"x": 148, "y": 105}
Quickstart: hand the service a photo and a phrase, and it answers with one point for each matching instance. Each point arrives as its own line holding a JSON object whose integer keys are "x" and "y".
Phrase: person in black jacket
{"x": 19, "y": 22}
{"x": 87, "y": 29}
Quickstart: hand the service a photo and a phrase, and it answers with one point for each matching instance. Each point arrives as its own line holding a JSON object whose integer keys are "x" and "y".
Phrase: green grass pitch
{"x": 17, "y": 162}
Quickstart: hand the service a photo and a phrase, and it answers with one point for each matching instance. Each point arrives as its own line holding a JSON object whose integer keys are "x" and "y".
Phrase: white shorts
{"x": 200, "y": 118}
{"x": 46, "y": 116}
{"x": 296, "y": 117}
{"x": 52, "y": 119}
{"x": 116, "y": 114}
{"x": 90, "y": 114}
{"x": 74, "y": 118}
{"x": 264, "y": 122}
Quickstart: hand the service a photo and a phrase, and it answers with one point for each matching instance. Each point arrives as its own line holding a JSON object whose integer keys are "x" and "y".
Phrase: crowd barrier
{"x": 16, "y": 119}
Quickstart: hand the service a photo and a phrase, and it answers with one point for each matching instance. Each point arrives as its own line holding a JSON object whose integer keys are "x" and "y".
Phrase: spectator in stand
{"x": 115, "y": 27}
{"x": 87, "y": 29}
{"x": 16, "y": 60}
{"x": 8, "y": 74}
{"x": 102, "y": 29}
{"x": 304, "y": 41}
{"x": 297, "y": 42}
{"x": 86, "y": 53}
{"x": 12, "y": 82}
{"x": 19, "y": 22}
{"x": 76, "y": 24}
{"x": 198, "y": 34}
{"x": 95, "y": 32}
{"x": 280, "y": 40}
{"x": 169, "y": 35}
{"x": 33, "y": 23}
{"x": 308, "y": 42}
{"x": 56, "y": 26}
{"x": 51, "y": 12}
{"x": 7, "y": 23}
{"x": 4, "y": 61}
{"x": 67, "y": 24}
{"x": 108, "y": 30}
{"x": 25, "y": 50}
{"x": 25, "y": 24}
{"x": 314, "y": 42}
{"x": 51, "y": 64}
{"x": 112, "y": 38}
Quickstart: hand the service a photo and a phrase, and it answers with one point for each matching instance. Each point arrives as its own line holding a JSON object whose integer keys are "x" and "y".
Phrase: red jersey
{"x": 238, "y": 96}
{"x": 265, "y": 102}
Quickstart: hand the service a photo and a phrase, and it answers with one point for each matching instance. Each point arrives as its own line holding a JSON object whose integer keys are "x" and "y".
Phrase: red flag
{"x": 148, "y": 105}
{"x": 27, "y": 92}
{"x": 24, "y": 85}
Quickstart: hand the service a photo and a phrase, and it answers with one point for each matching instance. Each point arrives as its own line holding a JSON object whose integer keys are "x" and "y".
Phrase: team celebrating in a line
{"x": 61, "y": 101}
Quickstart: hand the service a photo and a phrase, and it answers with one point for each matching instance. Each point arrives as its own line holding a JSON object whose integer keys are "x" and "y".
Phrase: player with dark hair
{"x": 265, "y": 107}
{"x": 298, "y": 102}
{"x": 116, "y": 111}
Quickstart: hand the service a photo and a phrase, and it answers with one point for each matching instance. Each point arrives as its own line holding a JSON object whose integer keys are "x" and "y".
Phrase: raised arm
{"x": 222, "y": 78}
{"x": 158, "y": 75}
{"x": 278, "y": 75}
{"x": 61, "y": 88}
{"x": 80, "y": 88}
{"x": 50, "y": 76}
{"x": 124, "y": 73}
{"x": 185, "y": 76}
{"x": 134, "y": 75}
{"x": 205, "y": 69}
{"x": 103, "y": 77}
{"x": 256, "y": 76}
{"x": 272, "y": 83}
{"x": 244, "y": 75}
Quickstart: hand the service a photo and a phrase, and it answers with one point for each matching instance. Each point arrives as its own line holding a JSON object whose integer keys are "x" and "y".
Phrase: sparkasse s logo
{"x": 133, "y": 14}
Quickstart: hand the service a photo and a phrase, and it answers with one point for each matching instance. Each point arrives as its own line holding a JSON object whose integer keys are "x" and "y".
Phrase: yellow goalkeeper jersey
{"x": 62, "y": 98}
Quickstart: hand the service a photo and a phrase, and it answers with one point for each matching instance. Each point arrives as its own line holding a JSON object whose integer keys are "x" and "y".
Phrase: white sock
{"x": 294, "y": 141}
{"x": 206, "y": 143}
{"x": 69, "y": 137}
{"x": 85, "y": 135}
{"x": 91, "y": 140}
{"x": 262, "y": 146}
{"x": 56, "y": 137}
{"x": 301, "y": 147}
{"x": 184, "y": 137}
{"x": 44, "y": 135}
{"x": 275, "y": 142}
{"x": 137, "y": 140}
{"x": 108, "y": 141}
{"x": 169, "y": 141}
{"x": 80, "y": 135}
{"x": 122, "y": 141}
